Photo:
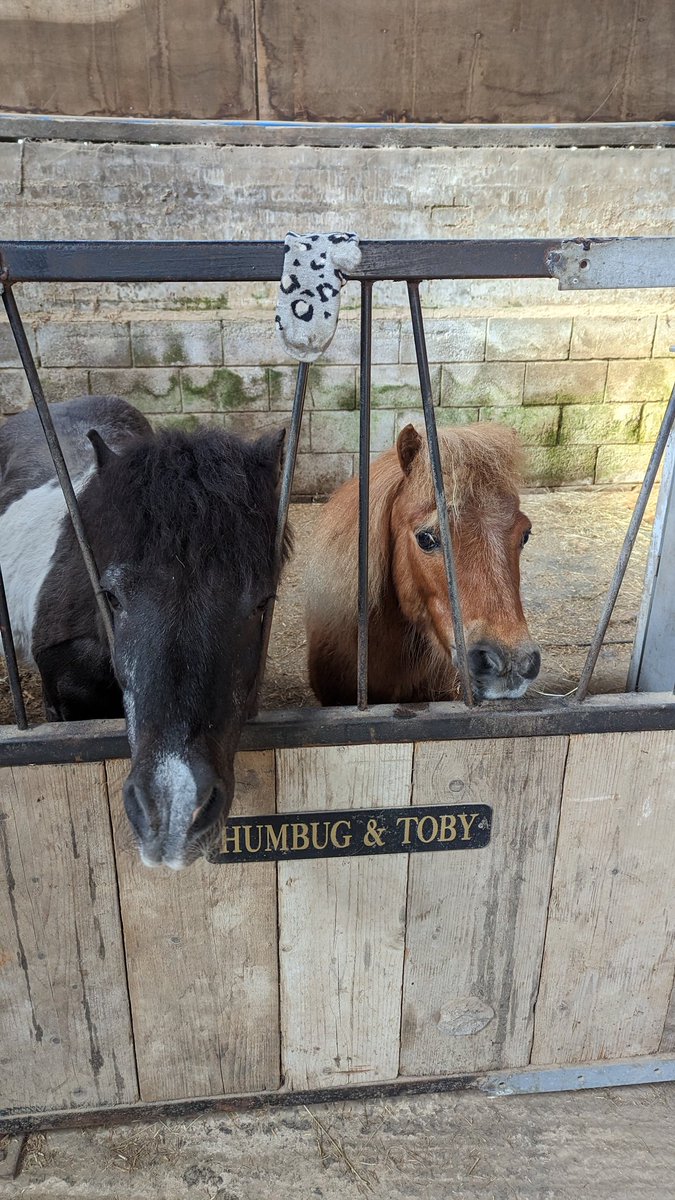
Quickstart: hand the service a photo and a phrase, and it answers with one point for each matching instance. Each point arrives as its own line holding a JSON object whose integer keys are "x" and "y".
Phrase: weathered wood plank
{"x": 144, "y": 131}
{"x": 65, "y": 1029}
{"x": 341, "y": 925}
{"x": 161, "y": 58}
{"x": 201, "y": 950}
{"x": 667, "y": 1043}
{"x": 476, "y": 922}
{"x": 87, "y": 741}
{"x": 610, "y": 943}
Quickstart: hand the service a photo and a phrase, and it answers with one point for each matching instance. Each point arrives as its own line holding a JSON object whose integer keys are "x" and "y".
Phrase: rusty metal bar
{"x": 9, "y": 652}
{"x": 287, "y": 474}
{"x": 439, "y": 489}
{"x": 364, "y": 490}
{"x": 59, "y": 461}
{"x": 626, "y": 549}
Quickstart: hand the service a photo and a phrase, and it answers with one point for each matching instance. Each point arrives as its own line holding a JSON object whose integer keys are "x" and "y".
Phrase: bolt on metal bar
{"x": 626, "y": 549}
{"x": 364, "y": 490}
{"x": 59, "y": 461}
{"x": 287, "y": 473}
{"x": 10, "y": 658}
{"x": 439, "y": 489}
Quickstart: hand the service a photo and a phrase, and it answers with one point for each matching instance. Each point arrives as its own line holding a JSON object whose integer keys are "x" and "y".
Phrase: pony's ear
{"x": 270, "y": 451}
{"x": 102, "y": 452}
{"x": 408, "y": 445}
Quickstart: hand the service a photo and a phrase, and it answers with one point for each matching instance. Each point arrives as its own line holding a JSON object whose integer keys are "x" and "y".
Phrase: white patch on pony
{"x": 178, "y": 787}
{"x": 29, "y": 531}
{"x": 498, "y": 692}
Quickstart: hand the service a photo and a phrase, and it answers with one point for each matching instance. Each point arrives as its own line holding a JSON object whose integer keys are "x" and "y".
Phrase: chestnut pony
{"x": 411, "y": 654}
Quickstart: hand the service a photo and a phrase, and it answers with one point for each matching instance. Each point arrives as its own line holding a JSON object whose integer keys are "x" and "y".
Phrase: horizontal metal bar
{"x": 143, "y": 262}
{"x": 281, "y": 729}
{"x": 578, "y": 1077}
{"x": 174, "y": 131}
{"x": 585, "y": 264}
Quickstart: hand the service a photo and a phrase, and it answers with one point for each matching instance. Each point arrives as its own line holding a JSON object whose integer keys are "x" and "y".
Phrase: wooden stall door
{"x": 341, "y": 925}
{"x": 65, "y": 1029}
{"x": 476, "y": 919}
{"x": 610, "y": 943}
{"x": 201, "y": 949}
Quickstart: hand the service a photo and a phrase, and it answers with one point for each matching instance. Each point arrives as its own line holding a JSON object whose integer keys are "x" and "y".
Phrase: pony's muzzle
{"x": 176, "y": 815}
{"x": 502, "y": 672}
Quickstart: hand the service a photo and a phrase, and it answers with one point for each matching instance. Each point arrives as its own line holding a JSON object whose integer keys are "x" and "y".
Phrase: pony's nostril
{"x": 206, "y": 812}
{"x": 529, "y": 665}
{"x": 486, "y": 660}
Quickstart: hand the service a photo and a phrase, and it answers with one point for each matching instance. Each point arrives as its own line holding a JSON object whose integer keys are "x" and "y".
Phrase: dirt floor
{"x": 566, "y": 568}
{"x": 614, "y": 1144}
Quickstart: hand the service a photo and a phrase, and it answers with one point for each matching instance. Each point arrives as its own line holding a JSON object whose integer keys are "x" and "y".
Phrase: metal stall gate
{"x": 543, "y": 957}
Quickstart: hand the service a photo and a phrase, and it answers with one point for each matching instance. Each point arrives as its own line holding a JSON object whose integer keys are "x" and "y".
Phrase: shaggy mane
{"x": 200, "y": 498}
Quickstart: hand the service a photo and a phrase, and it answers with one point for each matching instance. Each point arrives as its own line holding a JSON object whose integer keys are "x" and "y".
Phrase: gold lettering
{"x": 407, "y": 821}
{"x": 315, "y": 835}
{"x": 233, "y": 832}
{"x": 466, "y": 836}
{"x": 300, "y": 831}
{"x": 448, "y": 827}
{"x": 277, "y": 841}
{"x": 346, "y": 838}
{"x": 434, "y": 829}
{"x": 248, "y": 829}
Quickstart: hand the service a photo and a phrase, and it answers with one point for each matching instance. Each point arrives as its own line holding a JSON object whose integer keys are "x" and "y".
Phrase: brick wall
{"x": 584, "y": 377}
{"x": 586, "y": 392}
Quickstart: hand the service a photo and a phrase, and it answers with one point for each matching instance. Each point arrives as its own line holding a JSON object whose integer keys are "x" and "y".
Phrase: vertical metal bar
{"x": 10, "y": 659}
{"x": 626, "y": 549}
{"x": 439, "y": 489}
{"x": 364, "y": 489}
{"x": 287, "y": 473}
{"x": 59, "y": 461}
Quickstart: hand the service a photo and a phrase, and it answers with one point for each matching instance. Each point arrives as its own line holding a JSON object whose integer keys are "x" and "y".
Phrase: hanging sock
{"x": 309, "y": 292}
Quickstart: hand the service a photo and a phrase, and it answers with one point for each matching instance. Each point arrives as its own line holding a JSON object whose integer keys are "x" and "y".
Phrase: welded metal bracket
{"x": 585, "y": 263}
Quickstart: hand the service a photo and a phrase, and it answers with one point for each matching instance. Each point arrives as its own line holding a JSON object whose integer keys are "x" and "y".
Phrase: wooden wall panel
{"x": 610, "y": 945}
{"x": 477, "y": 919}
{"x": 65, "y": 1029}
{"x": 201, "y": 950}
{"x": 341, "y": 925}
{"x": 161, "y": 58}
{"x": 466, "y": 60}
{"x": 356, "y": 60}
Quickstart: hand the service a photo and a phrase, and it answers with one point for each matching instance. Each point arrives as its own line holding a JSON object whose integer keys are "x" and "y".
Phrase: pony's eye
{"x": 113, "y": 601}
{"x": 526, "y": 537}
{"x": 426, "y": 541}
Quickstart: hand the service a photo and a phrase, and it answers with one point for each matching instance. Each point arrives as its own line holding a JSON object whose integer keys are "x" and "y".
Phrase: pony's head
{"x": 481, "y": 472}
{"x": 185, "y": 528}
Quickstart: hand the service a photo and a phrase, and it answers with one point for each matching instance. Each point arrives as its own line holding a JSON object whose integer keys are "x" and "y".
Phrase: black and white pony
{"x": 182, "y": 528}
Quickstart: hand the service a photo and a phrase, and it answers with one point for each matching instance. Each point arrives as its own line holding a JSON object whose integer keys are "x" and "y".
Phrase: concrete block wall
{"x": 586, "y": 393}
{"x": 583, "y": 377}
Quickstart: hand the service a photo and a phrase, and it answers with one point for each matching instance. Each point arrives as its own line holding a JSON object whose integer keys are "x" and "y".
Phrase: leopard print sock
{"x": 309, "y": 292}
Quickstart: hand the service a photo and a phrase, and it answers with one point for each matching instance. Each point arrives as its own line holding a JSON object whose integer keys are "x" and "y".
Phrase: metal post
{"x": 626, "y": 549}
{"x": 364, "y": 490}
{"x": 282, "y": 514}
{"x": 10, "y": 658}
{"x": 439, "y": 489}
{"x": 59, "y": 461}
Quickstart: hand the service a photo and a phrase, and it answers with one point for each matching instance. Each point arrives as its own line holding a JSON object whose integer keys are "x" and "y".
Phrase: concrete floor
{"x": 616, "y": 1144}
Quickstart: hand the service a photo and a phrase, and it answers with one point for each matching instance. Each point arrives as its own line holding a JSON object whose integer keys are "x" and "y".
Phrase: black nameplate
{"x": 355, "y": 831}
